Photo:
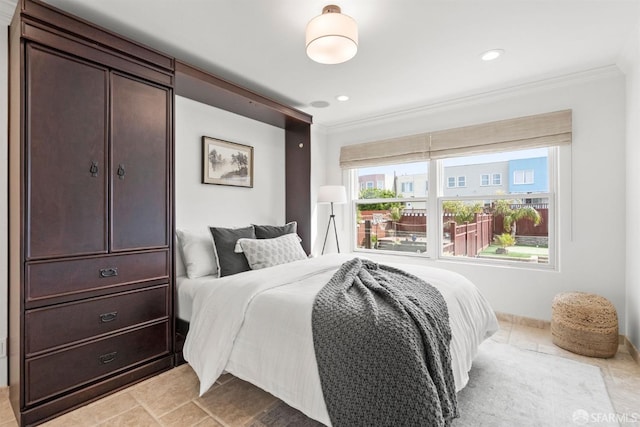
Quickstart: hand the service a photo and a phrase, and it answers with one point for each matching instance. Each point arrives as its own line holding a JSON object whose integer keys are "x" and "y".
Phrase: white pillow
{"x": 262, "y": 253}
{"x": 197, "y": 253}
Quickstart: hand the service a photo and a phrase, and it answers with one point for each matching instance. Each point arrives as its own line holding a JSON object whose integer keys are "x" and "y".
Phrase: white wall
{"x": 200, "y": 205}
{"x": 631, "y": 65}
{"x": 591, "y": 196}
{"x": 3, "y": 201}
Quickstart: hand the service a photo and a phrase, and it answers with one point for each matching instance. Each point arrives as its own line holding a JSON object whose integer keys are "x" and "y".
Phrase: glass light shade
{"x": 332, "y": 37}
{"x": 332, "y": 194}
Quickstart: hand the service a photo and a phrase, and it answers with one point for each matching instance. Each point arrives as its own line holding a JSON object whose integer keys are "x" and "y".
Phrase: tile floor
{"x": 171, "y": 399}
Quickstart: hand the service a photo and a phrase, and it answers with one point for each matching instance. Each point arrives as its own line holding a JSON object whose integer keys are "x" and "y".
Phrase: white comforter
{"x": 257, "y": 326}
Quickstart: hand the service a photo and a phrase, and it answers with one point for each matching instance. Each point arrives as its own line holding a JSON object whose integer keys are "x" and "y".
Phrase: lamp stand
{"x": 332, "y": 219}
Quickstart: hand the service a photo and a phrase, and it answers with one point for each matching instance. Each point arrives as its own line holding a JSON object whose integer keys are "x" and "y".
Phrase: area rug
{"x": 513, "y": 387}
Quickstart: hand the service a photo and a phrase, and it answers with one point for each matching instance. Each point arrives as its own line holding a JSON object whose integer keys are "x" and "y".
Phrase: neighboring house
{"x": 477, "y": 179}
{"x": 372, "y": 181}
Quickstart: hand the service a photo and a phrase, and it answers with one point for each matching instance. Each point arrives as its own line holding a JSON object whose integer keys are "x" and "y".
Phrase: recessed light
{"x": 342, "y": 98}
{"x": 320, "y": 104}
{"x": 492, "y": 54}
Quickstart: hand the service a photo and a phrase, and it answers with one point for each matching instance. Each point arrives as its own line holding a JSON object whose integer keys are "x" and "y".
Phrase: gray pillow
{"x": 263, "y": 253}
{"x": 272, "y": 231}
{"x": 224, "y": 243}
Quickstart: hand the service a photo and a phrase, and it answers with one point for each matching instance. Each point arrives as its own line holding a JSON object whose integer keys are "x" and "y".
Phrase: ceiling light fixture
{"x": 332, "y": 38}
{"x": 342, "y": 98}
{"x": 492, "y": 54}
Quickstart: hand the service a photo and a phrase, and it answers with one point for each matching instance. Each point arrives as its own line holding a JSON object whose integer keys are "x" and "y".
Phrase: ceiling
{"x": 412, "y": 53}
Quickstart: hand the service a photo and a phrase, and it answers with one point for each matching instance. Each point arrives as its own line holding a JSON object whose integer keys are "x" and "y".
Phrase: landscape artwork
{"x": 227, "y": 163}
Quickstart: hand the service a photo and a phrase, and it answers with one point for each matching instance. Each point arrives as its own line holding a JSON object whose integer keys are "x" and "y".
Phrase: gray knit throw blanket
{"x": 381, "y": 339}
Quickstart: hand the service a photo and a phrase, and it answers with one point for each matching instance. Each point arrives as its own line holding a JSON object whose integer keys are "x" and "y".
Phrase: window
{"x": 521, "y": 177}
{"x": 369, "y": 184}
{"x": 480, "y": 222}
{"x": 491, "y": 220}
{"x": 493, "y": 224}
{"x": 380, "y": 185}
{"x": 490, "y": 179}
{"x": 390, "y": 220}
{"x": 406, "y": 187}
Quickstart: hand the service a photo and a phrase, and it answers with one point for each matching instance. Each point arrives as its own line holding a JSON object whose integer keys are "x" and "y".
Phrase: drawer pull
{"x": 108, "y": 317}
{"x": 108, "y": 357}
{"x": 109, "y": 272}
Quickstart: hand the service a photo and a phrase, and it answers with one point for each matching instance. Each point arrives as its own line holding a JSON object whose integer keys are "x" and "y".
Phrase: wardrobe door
{"x": 66, "y": 162}
{"x": 140, "y": 166}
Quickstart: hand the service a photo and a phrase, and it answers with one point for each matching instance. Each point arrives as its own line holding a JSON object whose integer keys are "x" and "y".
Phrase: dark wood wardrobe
{"x": 91, "y": 172}
{"x": 91, "y": 233}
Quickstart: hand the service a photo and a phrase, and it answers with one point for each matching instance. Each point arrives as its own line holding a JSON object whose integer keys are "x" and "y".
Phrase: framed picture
{"x": 226, "y": 163}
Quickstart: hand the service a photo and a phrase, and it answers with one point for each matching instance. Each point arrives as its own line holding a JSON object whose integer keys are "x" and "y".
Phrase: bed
{"x": 256, "y": 325}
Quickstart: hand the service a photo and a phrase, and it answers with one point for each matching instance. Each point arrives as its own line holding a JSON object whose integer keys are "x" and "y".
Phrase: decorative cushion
{"x": 262, "y": 253}
{"x": 273, "y": 231}
{"x": 224, "y": 243}
{"x": 197, "y": 253}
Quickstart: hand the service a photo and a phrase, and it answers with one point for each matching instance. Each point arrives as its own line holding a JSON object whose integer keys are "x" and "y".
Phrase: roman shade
{"x": 541, "y": 130}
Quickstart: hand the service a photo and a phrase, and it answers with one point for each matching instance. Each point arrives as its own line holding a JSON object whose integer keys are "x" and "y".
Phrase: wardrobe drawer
{"x": 96, "y": 316}
{"x": 47, "y": 279}
{"x": 63, "y": 370}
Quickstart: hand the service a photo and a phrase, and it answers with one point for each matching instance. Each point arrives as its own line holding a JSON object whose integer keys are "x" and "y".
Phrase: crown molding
{"x": 599, "y": 73}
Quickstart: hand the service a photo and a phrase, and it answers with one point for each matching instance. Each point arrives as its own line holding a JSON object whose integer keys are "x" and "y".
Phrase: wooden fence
{"x": 470, "y": 238}
{"x": 464, "y": 240}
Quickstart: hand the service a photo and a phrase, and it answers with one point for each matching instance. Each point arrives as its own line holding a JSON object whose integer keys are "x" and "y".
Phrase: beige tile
{"x": 224, "y": 378}
{"x": 105, "y": 409}
{"x": 166, "y": 392}
{"x": 209, "y": 422}
{"x": 6, "y": 412}
{"x": 235, "y": 402}
{"x": 136, "y": 417}
{"x": 188, "y": 414}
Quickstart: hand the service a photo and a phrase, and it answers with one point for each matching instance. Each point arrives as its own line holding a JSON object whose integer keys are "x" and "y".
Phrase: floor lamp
{"x": 332, "y": 194}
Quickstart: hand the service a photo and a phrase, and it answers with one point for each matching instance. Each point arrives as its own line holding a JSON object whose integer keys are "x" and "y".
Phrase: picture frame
{"x": 226, "y": 163}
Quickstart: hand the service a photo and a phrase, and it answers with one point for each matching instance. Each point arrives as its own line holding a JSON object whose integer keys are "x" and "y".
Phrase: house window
{"x": 389, "y": 221}
{"x": 369, "y": 184}
{"x": 478, "y": 222}
{"x": 522, "y": 177}
{"x": 406, "y": 187}
{"x": 380, "y": 185}
{"x": 487, "y": 179}
{"x": 491, "y": 226}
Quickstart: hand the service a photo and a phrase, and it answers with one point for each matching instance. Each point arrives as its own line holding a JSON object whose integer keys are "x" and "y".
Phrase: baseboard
{"x": 524, "y": 321}
{"x": 4, "y": 392}
{"x": 544, "y": 324}
{"x": 633, "y": 351}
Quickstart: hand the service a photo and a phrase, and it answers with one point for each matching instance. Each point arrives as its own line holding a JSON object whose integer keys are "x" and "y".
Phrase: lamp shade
{"x": 332, "y": 194}
{"x": 332, "y": 38}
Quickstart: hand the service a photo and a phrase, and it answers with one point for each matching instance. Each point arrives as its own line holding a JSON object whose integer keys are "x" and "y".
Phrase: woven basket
{"x": 585, "y": 323}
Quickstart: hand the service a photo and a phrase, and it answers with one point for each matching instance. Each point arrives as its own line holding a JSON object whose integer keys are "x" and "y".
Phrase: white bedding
{"x": 257, "y": 326}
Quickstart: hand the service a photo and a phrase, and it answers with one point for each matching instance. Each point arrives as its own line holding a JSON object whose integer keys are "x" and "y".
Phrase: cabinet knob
{"x": 108, "y": 317}
{"x": 121, "y": 172}
{"x": 109, "y": 272}
{"x": 94, "y": 169}
{"x": 108, "y": 357}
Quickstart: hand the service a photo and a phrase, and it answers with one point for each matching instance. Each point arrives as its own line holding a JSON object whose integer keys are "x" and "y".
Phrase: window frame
{"x": 434, "y": 200}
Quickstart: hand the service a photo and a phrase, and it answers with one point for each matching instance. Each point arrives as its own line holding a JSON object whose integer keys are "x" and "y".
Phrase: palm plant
{"x": 512, "y": 216}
